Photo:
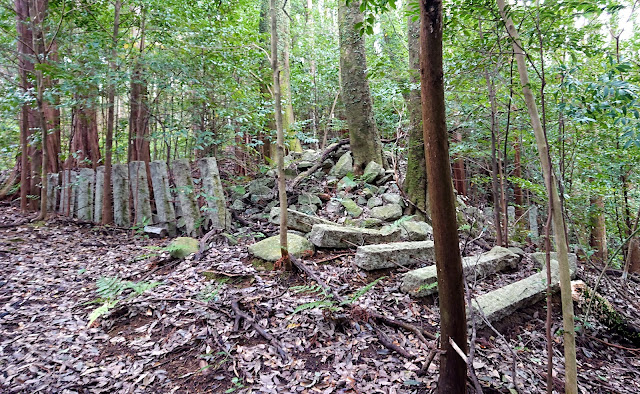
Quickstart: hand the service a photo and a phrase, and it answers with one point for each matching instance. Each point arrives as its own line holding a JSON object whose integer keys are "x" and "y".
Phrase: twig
{"x": 614, "y": 345}
{"x": 259, "y": 329}
{"x": 318, "y": 164}
{"x": 386, "y": 342}
{"x": 455, "y": 347}
{"x": 334, "y": 257}
{"x": 204, "y": 241}
{"x": 427, "y": 363}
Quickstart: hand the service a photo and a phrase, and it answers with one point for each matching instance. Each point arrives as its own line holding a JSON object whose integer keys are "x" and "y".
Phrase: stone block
{"x": 140, "y": 191}
{"x": 331, "y": 236}
{"x": 216, "y": 212}
{"x": 391, "y": 255}
{"x": 162, "y": 195}
{"x": 186, "y": 196}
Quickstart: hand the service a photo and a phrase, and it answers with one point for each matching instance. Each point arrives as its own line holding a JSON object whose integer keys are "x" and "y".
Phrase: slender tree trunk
{"x": 453, "y": 322}
{"x": 598, "y": 236}
{"x": 107, "y": 196}
{"x": 415, "y": 183}
{"x": 459, "y": 173}
{"x": 571, "y": 383}
{"x": 139, "y": 114}
{"x": 282, "y": 191}
{"x": 518, "y": 196}
{"x": 363, "y": 133}
{"x": 284, "y": 25}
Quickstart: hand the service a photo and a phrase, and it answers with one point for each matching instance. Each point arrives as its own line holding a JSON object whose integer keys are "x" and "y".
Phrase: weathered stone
{"x": 216, "y": 211}
{"x": 369, "y": 191}
{"x": 309, "y": 199}
{"x": 140, "y": 192}
{"x": 372, "y": 172}
{"x": 269, "y": 249}
{"x": 120, "y": 180}
{"x": 386, "y": 178}
{"x": 361, "y": 201}
{"x": 541, "y": 258}
{"x": 370, "y": 223}
{"x": 52, "y": 191}
{"x": 261, "y": 185}
{"x": 330, "y": 236}
{"x": 348, "y": 184}
{"x": 64, "y": 205}
{"x": 388, "y": 212}
{"x": 420, "y": 282}
{"x": 85, "y": 194}
{"x": 296, "y": 220}
{"x": 396, "y": 254}
{"x": 237, "y": 205}
{"x": 308, "y": 209}
{"x": 162, "y": 196}
{"x": 374, "y": 202}
{"x": 304, "y": 165}
{"x": 156, "y": 231}
{"x": 413, "y": 230}
{"x": 99, "y": 193}
{"x": 310, "y": 155}
{"x": 506, "y": 300}
{"x": 186, "y": 196}
{"x": 533, "y": 222}
{"x": 333, "y": 207}
{"x": 182, "y": 247}
{"x": 351, "y": 207}
{"x": 392, "y": 198}
{"x": 343, "y": 166}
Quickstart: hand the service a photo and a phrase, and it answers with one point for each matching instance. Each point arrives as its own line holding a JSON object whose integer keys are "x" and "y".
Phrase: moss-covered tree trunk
{"x": 415, "y": 184}
{"x": 356, "y": 96}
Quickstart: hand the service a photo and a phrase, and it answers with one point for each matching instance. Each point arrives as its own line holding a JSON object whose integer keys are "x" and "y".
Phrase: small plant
{"x": 110, "y": 289}
{"x": 237, "y": 385}
{"x": 327, "y": 302}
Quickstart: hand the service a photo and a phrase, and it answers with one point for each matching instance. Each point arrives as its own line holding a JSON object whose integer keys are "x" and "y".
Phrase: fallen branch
{"x": 204, "y": 243}
{"x": 235, "y": 306}
{"x": 386, "y": 342}
{"x": 334, "y": 257}
{"x": 332, "y": 148}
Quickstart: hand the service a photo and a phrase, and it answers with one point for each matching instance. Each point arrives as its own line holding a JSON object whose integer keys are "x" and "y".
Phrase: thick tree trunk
{"x": 571, "y": 383}
{"x": 415, "y": 183}
{"x": 282, "y": 188}
{"x": 84, "y": 143}
{"x": 363, "y": 133}
{"x": 453, "y": 322}
{"x": 139, "y": 110}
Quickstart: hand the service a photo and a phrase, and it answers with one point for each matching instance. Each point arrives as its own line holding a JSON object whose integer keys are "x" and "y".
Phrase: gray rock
{"x": 541, "y": 258}
{"x": 369, "y": 191}
{"x": 413, "y": 230}
{"x": 99, "y": 193}
{"x": 304, "y": 165}
{"x": 343, "y": 166}
{"x": 372, "y": 172}
{"x": 330, "y": 236}
{"x": 393, "y": 198}
{"x": 120, "y": 181}
{"x": 308, "y": 209}
{"x": 181, "y": 247}
{"x": 333, "y": 207}
{"x": 190, "y": 212}
{"x": 297, "y": 220}
{"x": 396, "y": 254}
{"x": 237, "y": 205}
{"x": 140, "y": 191}
{"x": 269, "y": 249}
{"x": 162, "y": 195}
{"x": 217, "y": 212}
{"x": 156, "y": 231}
{"x": 361, "y": 200}
{"x": 421, "y": 282}
{"x": 85, "y": 190}
{"x": 387, "y": 212}
{"x": 384, "y": 179}
{"x": 309, "y": 199}
{"x": 374, "y": 202}
{"x": 351, "y": 207}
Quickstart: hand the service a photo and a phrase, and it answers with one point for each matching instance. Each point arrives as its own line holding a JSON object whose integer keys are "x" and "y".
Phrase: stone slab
{"x": 120, "y": 181}
{"x": 86, "y": 178}
{"x": 140, "y": 192}
{"x": 217, "y": 212}
{"x": 52, "y": 191}
{"x": 396, "y": 254}
{"x": 162, "y": 196}
{"x": 541, "y": 258}
{"x": 421, "y": 282}
{"x": 99, "y": 193}
{"x": 330, "y": 236}
{"x": 269, "y": 249}
{"x": 186, "y": 196}
{"x": 297, "y": 220}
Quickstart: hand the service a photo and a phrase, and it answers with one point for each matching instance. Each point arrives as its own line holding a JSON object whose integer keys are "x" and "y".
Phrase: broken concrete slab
{"x": 506, "y": 300}
{"x": 162, "y": 196}
{"x": 186, "y": 196}
{"x": 217, "y": 212}
{"x": 332, "y": 236}
{"x": 297, "y": 220}
{"x": 140, "y": 192}
{"x": 85, "y": 194}
{"x": 422, "y": 282}
{"x": 99, "y": 193}
{"x": 391, "y": 255}
{"x": 120, "y": 180}
{"x": 269, "y": 249}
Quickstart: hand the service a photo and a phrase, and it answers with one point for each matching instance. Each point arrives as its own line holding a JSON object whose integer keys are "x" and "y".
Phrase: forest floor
{"x": 181, "y": 336}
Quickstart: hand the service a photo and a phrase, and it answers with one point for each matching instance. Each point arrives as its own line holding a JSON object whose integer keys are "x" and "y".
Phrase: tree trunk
{"x": 363, "y": 133}
{"x": 139, "y": 110}
{"x": 288, "y": 119}
{"x": 453, "y": 322}
{"x": 598, "y": 237}
{"x": 84, "y": 143}
{"x": 415, "y": 183}
{"x": 571, "y": 383}
{"x": 459, "y": 173}
{"x": 518, "y": 196}
{"x": 107, "y": 196}
{"x": 282, "y": 191}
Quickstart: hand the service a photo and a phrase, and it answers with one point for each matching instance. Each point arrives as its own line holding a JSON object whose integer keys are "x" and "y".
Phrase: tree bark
{"x": 598, "y": 236}
{"x": 84, "y": 143}
{"x": 453, "y": 322}
{"x": 363, "y": 133}
{"x": 571, "y": 383}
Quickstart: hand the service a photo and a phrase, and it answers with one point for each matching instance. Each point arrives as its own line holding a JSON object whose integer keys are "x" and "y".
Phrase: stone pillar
{"x": 186, "y": 197}
{"x": 52, "y": 191}
{"x": 68, "y": 193}
{"x": 217, "y": 212}
{"x": 533, "y": 222}
{"x": 162, "y": 196}
{"x": 140, "y": 191}
{"x": 120, "y": 180}
{"x": 85, "y": 194}
{"x": 97, "y": 206}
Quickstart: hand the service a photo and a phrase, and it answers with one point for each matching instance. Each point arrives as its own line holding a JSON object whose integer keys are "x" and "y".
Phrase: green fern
{"x": 364, "y": 290}
{"x": 322, "y": 304}
{"x": 110, "y": 288}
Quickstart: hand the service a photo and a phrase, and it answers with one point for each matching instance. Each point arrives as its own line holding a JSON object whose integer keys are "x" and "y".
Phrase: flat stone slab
{"x": 396, "y": 254}
{"x": 506, "y": 300}
{"x": 422, "y": 282}
{"x": 331, "y": 236}
{"x": 541, "y": 258}
{"x": 297, "y": 220}
{"x": 269, "y": 249}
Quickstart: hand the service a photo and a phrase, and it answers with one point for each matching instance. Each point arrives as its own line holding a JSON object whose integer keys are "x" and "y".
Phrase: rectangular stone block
{"x": 68, "y": 193}
{"x": 162, "y": 196}
{"x": 120, "y": 180}
{"x": 52, "y": 191}
{"x": 216, "y": 210}
{"x": 331, "y": 236}
{"x": 297, "y": 220}
{"x": 186, "y": 197}
{"x": 392, "y": 255}
{"x": 140, "y": 191}
{"x": 85, "y": 194}
{"x": 99, "y": 193}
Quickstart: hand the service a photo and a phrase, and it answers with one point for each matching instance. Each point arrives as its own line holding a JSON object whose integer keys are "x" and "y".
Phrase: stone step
{"x": 422, "y": 282}
{"x": 330, "y": 236}
{"x": 396, "y": 254}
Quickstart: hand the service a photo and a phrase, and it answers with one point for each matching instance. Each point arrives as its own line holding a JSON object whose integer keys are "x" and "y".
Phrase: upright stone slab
{"x": 140, "y": 192}
{"x": 85, "y": 194}
{"x": 422, "y": 282}
{"x": 52, "y": 191}
{"x": 533, "y": 222}
{"x": 329, "y": 236}
{"x": 64, "y": 206}
{"x": 162, "y": 196}
{"x": 186, "y": 196}
{"x": 120, "y": 180}
{"x": 395, "y": 254}
{"x": 217, "y": 212}
{"x": 99, "y": 193}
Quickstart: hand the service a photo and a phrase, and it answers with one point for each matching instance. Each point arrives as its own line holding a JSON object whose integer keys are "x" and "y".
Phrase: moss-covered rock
{"x": 269, "y": 249}
{"x": 351, "y": 207}
{"x": 181, "y": 247}
{"x": 387, "y": 212}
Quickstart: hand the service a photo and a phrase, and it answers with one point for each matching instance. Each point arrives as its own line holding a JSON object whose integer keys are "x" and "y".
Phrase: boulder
{"x": 297, "y": 220}
{"x": 343, "y": 166}
{"x": 331, "y": 236}
{"x": 269, "y": 249}
{"x": 374, "y": 202}
{"x": 422, "y": 282}
{"x": 387, "y": 212}
{"x": 396, "y": 254}
{"x": 181, "y": 247}
{"x": 413, "y": 230}
{"x": 392, "y": 198}
{"x": 372, "y": 172}
{"x": 351, "y": 207}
